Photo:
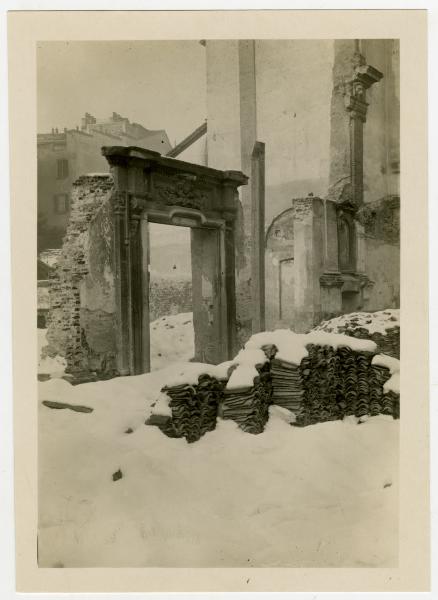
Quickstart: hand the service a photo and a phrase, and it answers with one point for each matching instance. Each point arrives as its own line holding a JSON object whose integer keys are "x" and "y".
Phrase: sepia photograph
{"x": 219, "y": 272}
{"x": 218, "y": 303}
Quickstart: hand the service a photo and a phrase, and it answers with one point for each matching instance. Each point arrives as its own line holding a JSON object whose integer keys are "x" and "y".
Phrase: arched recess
{"x": 346, "y": 243}
{"x": 280, "y": 270}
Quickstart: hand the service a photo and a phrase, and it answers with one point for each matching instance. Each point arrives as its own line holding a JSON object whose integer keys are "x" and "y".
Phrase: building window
{"x": 61, "y": 203}
{"x": 62, "y": 165}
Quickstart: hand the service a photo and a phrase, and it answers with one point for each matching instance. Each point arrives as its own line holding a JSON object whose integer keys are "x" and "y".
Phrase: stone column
{"x": 121, "y": 241}
{"x": 351, "y": 78}
{"x": 355, "y": 101}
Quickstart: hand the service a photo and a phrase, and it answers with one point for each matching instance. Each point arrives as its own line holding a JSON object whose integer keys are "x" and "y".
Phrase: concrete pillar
{"x": 231, "y": 145}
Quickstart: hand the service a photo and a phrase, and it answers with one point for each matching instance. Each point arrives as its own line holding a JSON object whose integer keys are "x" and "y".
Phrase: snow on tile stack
{"x": 247, "y": 395}
{"x": 188, "y": 404}
{"x": 319, "y": 376}
{"x": 285, "y": 351}
{"x": 329, "y": 375}
{"x": 383, "y": 327}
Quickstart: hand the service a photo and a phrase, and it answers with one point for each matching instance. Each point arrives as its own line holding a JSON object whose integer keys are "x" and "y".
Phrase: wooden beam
{"x": 188, "y": 141}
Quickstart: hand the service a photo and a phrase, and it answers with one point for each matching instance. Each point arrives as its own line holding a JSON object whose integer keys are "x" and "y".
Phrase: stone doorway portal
{"x": 149, "y": 189}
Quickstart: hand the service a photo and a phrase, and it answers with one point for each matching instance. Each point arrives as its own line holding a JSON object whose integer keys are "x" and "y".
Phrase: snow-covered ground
{"x": 172, "y": 340}
{"x": 322, "y": 496}
{"x": 325, "y": 495}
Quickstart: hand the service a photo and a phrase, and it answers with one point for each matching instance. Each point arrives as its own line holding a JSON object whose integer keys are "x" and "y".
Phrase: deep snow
{"x": 393, "y": 364}
{"x": 322, "y": 496}
{"x": 325, "y": 495}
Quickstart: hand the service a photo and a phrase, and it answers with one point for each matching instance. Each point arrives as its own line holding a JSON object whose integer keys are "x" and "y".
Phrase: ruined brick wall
{"x": 81, "y": 321}
{"x": 67, "y": 322}
{"x": 98, "y": 322}
{"x": 169, "y": 296}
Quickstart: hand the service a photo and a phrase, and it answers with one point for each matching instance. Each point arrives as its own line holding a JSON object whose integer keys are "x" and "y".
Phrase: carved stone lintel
{"x": 181, "y": 191}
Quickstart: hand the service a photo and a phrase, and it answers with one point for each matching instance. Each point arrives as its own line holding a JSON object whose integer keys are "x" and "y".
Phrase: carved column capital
{"x": 364, "y": 76}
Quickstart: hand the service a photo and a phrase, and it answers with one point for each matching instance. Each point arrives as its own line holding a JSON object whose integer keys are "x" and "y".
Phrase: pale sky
{"x": 160, "y": 84}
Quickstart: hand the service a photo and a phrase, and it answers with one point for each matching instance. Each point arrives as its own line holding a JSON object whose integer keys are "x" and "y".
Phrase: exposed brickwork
{"x": 81, "y": 321}
{"x": 65, "y": 327}
{"x": 169, "y": 297}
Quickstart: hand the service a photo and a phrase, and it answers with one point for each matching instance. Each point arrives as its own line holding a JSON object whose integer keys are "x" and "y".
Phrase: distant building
{"x": 64, "y": 156}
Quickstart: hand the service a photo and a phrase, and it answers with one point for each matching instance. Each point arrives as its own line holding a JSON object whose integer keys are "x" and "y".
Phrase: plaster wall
{"x": 294, "y": 86}
{"x": 277, "y": 92}
{"x": 223, "y": 105}
{"x": 383, "y": 268}
{"x": 382, "y": 127}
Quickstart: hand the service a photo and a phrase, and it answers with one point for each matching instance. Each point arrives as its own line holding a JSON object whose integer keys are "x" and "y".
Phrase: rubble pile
{"x": 382, "y": 327}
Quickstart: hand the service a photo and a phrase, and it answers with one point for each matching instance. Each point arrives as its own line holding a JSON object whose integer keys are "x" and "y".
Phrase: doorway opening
{"x": 350, "y": 302}
{"x": 170, "y": 295}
